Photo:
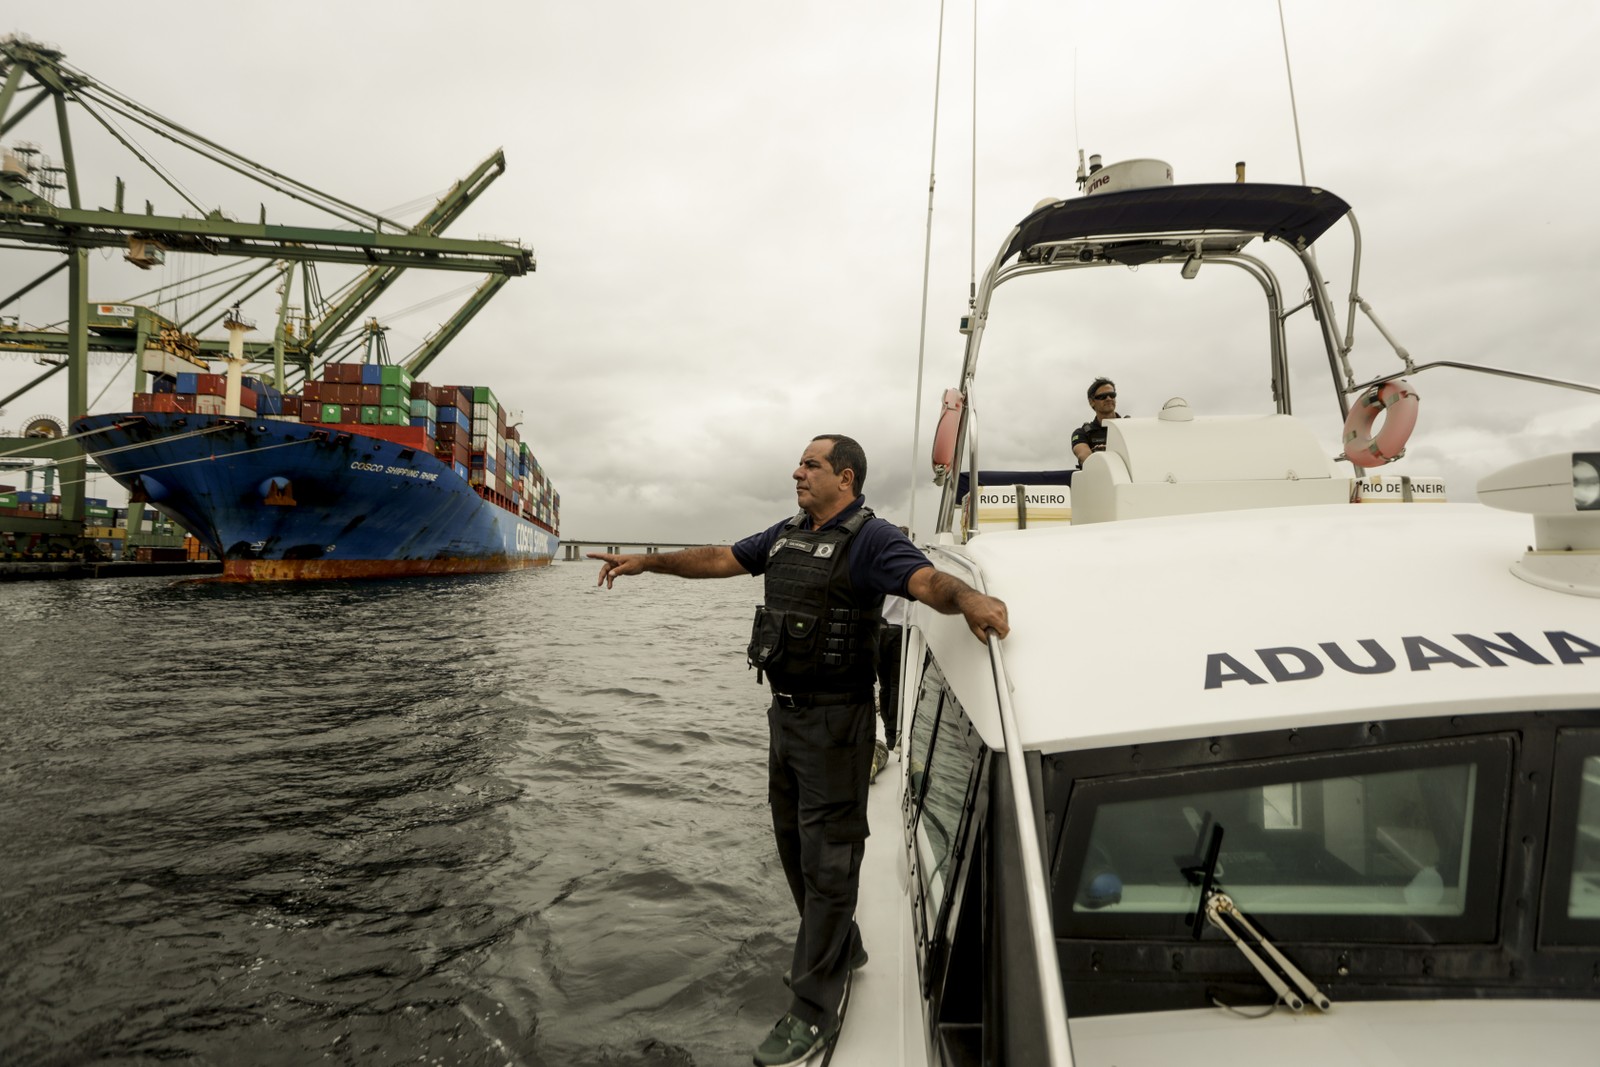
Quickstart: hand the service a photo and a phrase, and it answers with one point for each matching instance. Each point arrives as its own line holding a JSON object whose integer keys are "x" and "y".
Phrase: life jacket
{"x": 816, "y": 633}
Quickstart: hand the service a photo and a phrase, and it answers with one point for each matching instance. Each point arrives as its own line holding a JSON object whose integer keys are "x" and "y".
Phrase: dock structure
{"x": 575, "y": 548}
{"x": 38, "y": 570}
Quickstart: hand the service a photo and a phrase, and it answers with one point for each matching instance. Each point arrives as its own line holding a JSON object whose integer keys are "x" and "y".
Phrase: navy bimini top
{"x": 882, "y": 559}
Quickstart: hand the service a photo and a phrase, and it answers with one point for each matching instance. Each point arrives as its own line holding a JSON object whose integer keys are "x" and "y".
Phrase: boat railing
{"x": 1040, "y": 925}
{"x": 1502, "y": 372}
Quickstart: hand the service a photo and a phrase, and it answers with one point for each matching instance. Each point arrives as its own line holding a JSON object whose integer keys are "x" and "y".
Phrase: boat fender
{"x": 1397, "y": 402}
{"x": 944, "y": 436}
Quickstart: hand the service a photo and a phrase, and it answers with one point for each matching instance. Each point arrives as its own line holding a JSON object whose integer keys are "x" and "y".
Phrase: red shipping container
{"x": 292, "y": 406}
{"x": 421, "y": 391}
{"x": 174, "y": 403}
{"x": 211, "y": 384}
{"x": 371, "y": 395}
{"x": 410, "y": 436}
{"x": 346, "y": 373}
{"x": 247, "y": 399}
{"x": 313, "y": 392}
{"x": 310, "y": 412}
{"x": 350, "y": 413}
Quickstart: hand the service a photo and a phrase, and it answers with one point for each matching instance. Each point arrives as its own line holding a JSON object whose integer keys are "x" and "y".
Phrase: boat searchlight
{"x": 1562, "y": 493}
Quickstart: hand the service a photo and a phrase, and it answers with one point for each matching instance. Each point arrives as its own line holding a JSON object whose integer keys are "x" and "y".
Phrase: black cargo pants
{"x": 818, "y": 762}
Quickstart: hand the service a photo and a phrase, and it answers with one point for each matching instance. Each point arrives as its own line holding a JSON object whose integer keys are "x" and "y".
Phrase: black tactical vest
{"x": 815, "y": 633}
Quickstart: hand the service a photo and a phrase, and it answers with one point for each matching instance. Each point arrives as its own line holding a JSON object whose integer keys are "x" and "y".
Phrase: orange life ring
{"x": 944, "y": 435}
{"x": 1397, "y": 402}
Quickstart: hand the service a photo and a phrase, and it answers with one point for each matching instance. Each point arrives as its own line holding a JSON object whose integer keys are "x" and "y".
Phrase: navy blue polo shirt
{"x": 882, "y": 559}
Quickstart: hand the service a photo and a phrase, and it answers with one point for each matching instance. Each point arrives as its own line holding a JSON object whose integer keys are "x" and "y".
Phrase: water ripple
{"x": 501, "y": 819}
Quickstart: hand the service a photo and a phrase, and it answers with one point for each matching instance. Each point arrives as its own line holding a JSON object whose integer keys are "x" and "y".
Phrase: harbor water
{"x": 509, "y": 819}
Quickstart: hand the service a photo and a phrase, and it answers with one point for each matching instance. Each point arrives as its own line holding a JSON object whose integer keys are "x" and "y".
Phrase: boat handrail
{"x": 1057, "y": 1039}
{"x": 1560, "y": 383}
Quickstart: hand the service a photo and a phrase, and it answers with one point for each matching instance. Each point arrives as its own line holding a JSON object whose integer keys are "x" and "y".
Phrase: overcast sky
{"x": 728, "y": 201}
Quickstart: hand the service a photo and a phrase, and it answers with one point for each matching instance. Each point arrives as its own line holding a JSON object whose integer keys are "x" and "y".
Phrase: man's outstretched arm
{"x": 949, "y": 595}
{"x": 707, "y": 561}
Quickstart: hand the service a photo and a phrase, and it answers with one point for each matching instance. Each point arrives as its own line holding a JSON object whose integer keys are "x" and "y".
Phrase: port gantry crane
{"x": 33, "y": 74}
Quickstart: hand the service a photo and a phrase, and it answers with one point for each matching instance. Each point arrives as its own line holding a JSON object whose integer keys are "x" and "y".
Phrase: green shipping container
{"x": 397, "y": 376}
{"x": 332, "y": 413}
{"x": 394, "y": 416}
{"x": 8, "y": 500}
{"x": 369, "y": 414}
{"x": 482, "y": 394}
{"x": 392, "y": 396}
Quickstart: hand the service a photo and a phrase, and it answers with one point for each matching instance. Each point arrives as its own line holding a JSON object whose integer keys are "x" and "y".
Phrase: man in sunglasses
{"x": 1091, "y": 436}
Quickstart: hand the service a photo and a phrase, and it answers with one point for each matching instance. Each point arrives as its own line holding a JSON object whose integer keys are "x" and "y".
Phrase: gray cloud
{"x": 728, "y": 202}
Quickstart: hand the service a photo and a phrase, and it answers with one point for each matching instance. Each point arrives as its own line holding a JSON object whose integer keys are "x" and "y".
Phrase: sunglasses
{"x": 1105, "y": 396}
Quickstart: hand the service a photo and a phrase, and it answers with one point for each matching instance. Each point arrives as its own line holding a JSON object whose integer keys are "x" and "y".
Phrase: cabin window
{"x": 942, "y": 770}
{"x": 1376, "y": 842}
{"x": 1583, "y": 894}
{"x": 1572, "y": 880}
{"x": 923, "y": 721}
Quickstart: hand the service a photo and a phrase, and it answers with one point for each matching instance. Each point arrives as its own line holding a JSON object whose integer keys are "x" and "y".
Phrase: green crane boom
{"x": 383, "y": 248}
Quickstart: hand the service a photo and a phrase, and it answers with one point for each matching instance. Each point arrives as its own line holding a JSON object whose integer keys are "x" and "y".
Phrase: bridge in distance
{"x": 576, "y": 547}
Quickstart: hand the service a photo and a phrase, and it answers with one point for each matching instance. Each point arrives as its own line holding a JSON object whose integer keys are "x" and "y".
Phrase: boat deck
{"x": 882, "y": 1020}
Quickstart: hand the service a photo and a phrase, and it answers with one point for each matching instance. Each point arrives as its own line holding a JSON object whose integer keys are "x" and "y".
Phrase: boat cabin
{"x": 1259, "y": 776}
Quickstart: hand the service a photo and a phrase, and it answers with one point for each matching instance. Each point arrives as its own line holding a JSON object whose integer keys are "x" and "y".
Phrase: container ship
{"x": 366, "y": 473}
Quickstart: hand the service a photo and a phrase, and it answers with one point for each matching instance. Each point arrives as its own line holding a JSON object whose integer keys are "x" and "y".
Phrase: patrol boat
{"x": 1320, "y": 784}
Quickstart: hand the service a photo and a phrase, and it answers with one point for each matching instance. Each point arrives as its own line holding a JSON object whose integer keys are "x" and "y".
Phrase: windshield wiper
{"x": 1219, "y": 910}
{"x": 1224, "y": 914}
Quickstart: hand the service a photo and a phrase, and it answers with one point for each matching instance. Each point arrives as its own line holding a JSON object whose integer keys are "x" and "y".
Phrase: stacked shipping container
{"x": 463, "y": 426}
{"x": 105, "y": 525}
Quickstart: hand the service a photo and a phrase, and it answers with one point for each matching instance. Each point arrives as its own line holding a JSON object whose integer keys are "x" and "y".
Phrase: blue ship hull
{"x": 278, "y": 500}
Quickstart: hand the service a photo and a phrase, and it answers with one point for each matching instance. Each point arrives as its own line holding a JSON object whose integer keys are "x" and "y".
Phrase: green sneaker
{"x": 857, "y": 961}
{"x": 793, "y": 1042}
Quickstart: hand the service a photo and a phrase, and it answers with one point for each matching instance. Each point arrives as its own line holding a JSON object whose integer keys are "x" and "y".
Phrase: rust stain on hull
{"x": 313, "y": 570}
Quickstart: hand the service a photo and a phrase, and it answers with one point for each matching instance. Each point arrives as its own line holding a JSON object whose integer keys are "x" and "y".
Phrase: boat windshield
{"x": 1365, "y": 841}
{"x": 1583, "y": 894}
{"x": 1434, "y": 848}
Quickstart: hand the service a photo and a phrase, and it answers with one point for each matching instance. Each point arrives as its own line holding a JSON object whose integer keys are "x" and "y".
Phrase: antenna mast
{"x": 1293, "y": 109}
{"x": 927, "y": 256}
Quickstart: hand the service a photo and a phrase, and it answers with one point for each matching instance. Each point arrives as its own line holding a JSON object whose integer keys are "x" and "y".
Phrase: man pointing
{"x": 827, "y": 570}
